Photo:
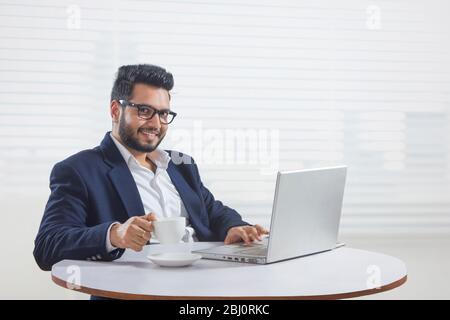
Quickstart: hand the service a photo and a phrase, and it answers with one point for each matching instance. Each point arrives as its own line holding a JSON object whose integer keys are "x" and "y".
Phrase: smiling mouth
{"x": 149, "y": 133}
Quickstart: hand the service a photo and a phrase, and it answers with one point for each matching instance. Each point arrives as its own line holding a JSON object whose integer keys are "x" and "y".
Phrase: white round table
{"x": 336, "y": 274}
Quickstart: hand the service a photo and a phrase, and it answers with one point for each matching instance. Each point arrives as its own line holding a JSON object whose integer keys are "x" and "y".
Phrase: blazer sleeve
{"x": 221, "y": 217}
{"x": 63, "y": 233}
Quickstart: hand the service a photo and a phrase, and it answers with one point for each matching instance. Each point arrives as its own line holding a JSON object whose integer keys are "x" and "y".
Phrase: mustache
{"x": 152, "y": 130}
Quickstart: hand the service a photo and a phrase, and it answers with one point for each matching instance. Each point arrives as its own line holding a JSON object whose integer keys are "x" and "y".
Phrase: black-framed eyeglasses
{"x": 147, "y": 112}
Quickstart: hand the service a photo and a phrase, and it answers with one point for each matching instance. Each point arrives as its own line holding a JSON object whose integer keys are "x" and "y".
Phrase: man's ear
{"x": 115, "y": 111}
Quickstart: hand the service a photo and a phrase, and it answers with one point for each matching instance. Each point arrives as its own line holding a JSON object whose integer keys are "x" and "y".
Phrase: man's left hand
{"x": 248, "y": 234}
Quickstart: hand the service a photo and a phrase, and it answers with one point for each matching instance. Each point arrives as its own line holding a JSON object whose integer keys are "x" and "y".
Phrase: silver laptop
{"x": 305, "y": 219}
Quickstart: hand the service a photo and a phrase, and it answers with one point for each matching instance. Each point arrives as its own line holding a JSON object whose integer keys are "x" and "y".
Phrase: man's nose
{"x": 155, "y": 121}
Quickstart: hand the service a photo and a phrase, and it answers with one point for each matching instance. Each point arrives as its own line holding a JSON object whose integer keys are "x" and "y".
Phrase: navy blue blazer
{"x": 94, "y": 188}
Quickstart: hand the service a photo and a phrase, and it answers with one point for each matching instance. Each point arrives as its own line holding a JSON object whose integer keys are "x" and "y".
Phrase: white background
{"x": 361, "y": 83}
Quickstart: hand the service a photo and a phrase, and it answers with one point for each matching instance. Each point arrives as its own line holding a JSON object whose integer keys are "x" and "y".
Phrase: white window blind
{"x": 258, "y": 84}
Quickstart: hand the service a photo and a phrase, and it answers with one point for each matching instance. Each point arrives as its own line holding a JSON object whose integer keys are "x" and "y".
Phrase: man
{"x": 104, "y": 200}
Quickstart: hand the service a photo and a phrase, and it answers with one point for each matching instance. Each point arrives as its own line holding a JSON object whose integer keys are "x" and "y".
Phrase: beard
{"x": 129, "y": 138}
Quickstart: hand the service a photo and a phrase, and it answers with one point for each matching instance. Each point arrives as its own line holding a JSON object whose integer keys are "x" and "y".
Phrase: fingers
{"x": 140, "y": 236}
{"x": 140, "y": 233}
{"x": 137, "y": 237}
{"x": 133, "y": 234}
{"x": 232, "y": 236}
{"x": 248, "y": 234}
{"x": 253, "y": 234}
{"x": 150, "y": 217}
{"x": 228, "y": 239}
{"x": 243, "y": 235}
{"x": 261, "y": 230}
{"x": 137, "y": 244}
{"x": 235, "y": 234}
{"x": 143, "y": 224}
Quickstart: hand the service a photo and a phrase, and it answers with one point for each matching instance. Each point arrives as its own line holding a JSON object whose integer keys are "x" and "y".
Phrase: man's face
{"x": 139, "y": 134}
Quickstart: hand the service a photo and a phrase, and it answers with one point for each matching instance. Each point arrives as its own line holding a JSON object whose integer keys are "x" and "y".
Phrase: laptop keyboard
{"x": 255, "y": 251}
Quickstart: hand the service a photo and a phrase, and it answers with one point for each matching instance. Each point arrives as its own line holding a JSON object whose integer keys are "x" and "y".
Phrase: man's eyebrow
{"x": 149, "y": 105}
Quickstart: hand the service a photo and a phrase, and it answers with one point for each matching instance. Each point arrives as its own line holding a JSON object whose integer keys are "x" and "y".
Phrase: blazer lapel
{"x": 126, "y": 188}
{"x": 121, "y": 178}
{"x": 189, "y": 197}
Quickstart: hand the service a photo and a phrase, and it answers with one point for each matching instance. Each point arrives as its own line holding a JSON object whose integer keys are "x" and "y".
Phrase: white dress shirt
{"x": 158, "y": 194}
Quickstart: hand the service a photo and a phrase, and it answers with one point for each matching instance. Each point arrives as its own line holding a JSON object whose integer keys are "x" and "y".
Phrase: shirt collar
{"x": 160, "y": 157}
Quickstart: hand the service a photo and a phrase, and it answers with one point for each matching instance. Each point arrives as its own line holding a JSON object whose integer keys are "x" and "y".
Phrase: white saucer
{"x": 174, "y": 259}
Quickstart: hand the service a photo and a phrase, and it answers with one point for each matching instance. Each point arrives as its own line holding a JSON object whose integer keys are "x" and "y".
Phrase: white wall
{"x": 301, "y": 83}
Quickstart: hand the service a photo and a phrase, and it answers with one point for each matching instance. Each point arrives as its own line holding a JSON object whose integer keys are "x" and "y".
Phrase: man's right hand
{"x": 134, "y": 233}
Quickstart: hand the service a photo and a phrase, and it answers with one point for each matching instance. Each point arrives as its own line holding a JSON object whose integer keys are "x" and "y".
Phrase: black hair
{"x": 127, "y": 76}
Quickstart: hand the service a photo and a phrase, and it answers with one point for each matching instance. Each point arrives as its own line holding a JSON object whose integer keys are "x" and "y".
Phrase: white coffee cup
{"x": 169, "y": 230}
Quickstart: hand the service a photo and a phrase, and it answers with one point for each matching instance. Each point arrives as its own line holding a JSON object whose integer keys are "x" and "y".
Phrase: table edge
{"x": 133, "y": 296}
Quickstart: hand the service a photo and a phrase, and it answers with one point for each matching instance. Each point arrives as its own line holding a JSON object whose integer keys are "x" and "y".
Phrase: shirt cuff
{"x": 109, "y": 246}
